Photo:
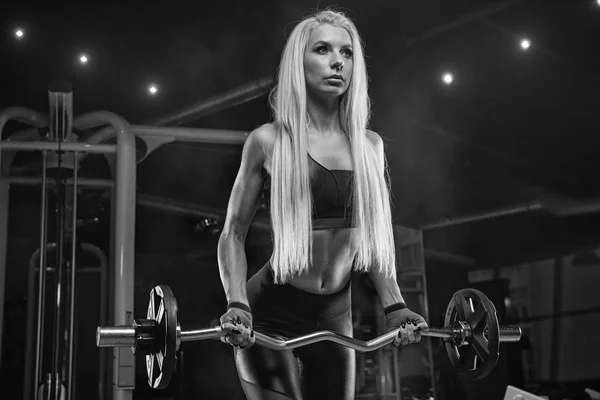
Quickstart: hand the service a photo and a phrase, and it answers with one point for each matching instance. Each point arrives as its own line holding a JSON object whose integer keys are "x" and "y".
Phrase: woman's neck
{"x": 324, "y": 115}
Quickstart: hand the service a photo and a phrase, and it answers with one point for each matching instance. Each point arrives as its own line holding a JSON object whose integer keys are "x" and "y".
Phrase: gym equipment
{"x": 472, "y": 336}
{"x": 61, "y": 135}
{"x": 55, "y": 267}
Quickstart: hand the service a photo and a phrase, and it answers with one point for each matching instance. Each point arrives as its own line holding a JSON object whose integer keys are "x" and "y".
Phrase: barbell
{"x": 471, "y": 336}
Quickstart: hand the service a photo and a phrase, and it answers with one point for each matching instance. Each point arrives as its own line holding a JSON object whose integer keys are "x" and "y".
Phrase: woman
{"x": 330, "y": 215}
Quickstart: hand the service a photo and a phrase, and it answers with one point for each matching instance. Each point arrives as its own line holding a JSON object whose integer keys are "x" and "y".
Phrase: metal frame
{"x": 123, "y": 365}
{"x": 122, "y": 269}
{"x": 124, "y": 216}
{"x": 34, "y": 264}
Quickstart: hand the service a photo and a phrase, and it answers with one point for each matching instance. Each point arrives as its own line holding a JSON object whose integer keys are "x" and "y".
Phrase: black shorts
{"x": 323, "y": 370}
{"x": 287, "y": 311}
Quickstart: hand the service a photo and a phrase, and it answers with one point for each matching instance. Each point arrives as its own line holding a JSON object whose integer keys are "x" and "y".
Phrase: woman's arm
{"x": 399, "y": 316}
{"x": 387, "y": 288}
{"x": 242, "y": 206}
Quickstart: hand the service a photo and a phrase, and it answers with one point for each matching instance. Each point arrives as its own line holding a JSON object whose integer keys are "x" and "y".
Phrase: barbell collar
{"x": 115, "y": 336}
{"x": 510, "y": 333}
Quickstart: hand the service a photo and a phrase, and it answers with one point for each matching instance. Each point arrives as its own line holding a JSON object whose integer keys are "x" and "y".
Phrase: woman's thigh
{"x": 328, "y": 370}
{"x": 268, "y": 374}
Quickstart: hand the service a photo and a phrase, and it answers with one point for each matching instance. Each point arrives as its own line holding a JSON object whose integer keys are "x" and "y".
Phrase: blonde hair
{"x": 291, "y": 199}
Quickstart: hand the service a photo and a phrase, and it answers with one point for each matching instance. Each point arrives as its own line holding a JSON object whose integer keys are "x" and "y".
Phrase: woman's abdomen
{"x": 333, "y": 254}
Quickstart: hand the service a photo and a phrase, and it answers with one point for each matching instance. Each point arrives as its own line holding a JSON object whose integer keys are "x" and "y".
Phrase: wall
{"x": 557, "y": 305}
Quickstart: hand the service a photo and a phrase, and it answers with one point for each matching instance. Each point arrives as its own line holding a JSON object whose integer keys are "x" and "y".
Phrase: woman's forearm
{"x": 387, "y": 288}
{"x": 233, "y": 267}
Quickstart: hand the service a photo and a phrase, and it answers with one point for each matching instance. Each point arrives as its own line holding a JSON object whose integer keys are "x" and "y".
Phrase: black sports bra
{"x": 331, "y": 194}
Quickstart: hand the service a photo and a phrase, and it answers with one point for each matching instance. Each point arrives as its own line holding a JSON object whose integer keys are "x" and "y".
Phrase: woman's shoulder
{"x": 264, "y": 137}
{"x": 377, "y": 143}
{"x": 374, "y": 138}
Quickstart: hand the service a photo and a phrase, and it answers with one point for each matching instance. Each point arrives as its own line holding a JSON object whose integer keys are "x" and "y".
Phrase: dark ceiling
{"x": 497, "y": 168}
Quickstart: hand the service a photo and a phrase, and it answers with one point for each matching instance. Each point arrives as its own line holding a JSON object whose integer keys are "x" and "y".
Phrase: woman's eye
{"x": 321, "y": 49}
{"x": 347, "y": 53}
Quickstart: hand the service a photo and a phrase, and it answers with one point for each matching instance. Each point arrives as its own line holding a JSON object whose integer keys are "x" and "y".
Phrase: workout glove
{"x": 237, "y": 322}
{"x": 409, "y": 323}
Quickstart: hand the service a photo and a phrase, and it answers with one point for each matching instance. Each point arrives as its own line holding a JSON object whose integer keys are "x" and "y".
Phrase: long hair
{"x": 291, "y": 199}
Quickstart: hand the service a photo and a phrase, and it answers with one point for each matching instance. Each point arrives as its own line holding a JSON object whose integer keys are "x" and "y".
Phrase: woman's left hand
{"x": 409, "y": 323}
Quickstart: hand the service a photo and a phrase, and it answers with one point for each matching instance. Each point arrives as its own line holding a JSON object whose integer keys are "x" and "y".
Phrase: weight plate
{"x": 162, "y": 308}
{"x": 477, "y": 356}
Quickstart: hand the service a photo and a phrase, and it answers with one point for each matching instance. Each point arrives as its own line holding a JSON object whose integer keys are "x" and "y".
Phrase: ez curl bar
{"x": 471, "y": 335}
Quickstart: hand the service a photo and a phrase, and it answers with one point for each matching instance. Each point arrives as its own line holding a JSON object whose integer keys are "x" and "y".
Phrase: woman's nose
{"x": 337, "y": 64}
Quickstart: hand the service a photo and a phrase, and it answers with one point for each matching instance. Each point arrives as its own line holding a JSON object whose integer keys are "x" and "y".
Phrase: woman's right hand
{"x": 238, "y": 325}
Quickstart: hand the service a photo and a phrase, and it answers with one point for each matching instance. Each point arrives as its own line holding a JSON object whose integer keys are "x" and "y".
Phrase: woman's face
{"x": 328, "y": 61}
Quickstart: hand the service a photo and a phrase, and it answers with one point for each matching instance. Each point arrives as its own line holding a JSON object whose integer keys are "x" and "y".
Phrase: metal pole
{"x": 41, "y": 299}
{"x": 31, "y": 379}
{"x": 59, "y": 268}
{"x": 90, "y": 248}
{"x": 125, "y": 336}
{"x": 72, "y": 146}
{"x": 88, "y": 182}
{"x": 28, "y": 382}
{"x": 485, "y": 215}
{"x": 178, "y": 207}
{"x": 124, "y": 251}
{"x": 184, "y": 208}
{"x": 103, "y": 317}
{"x": 60, "y": 99}
{"x": 474, "y": 16}
{"x": 4, "y": 201}
{"x": 238, "y": 95}
{"x": 25, "y": 115}
{"x": 124, "y": 239}
{"x": 199, "y": 135}
{"x": 70, "y": 383}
